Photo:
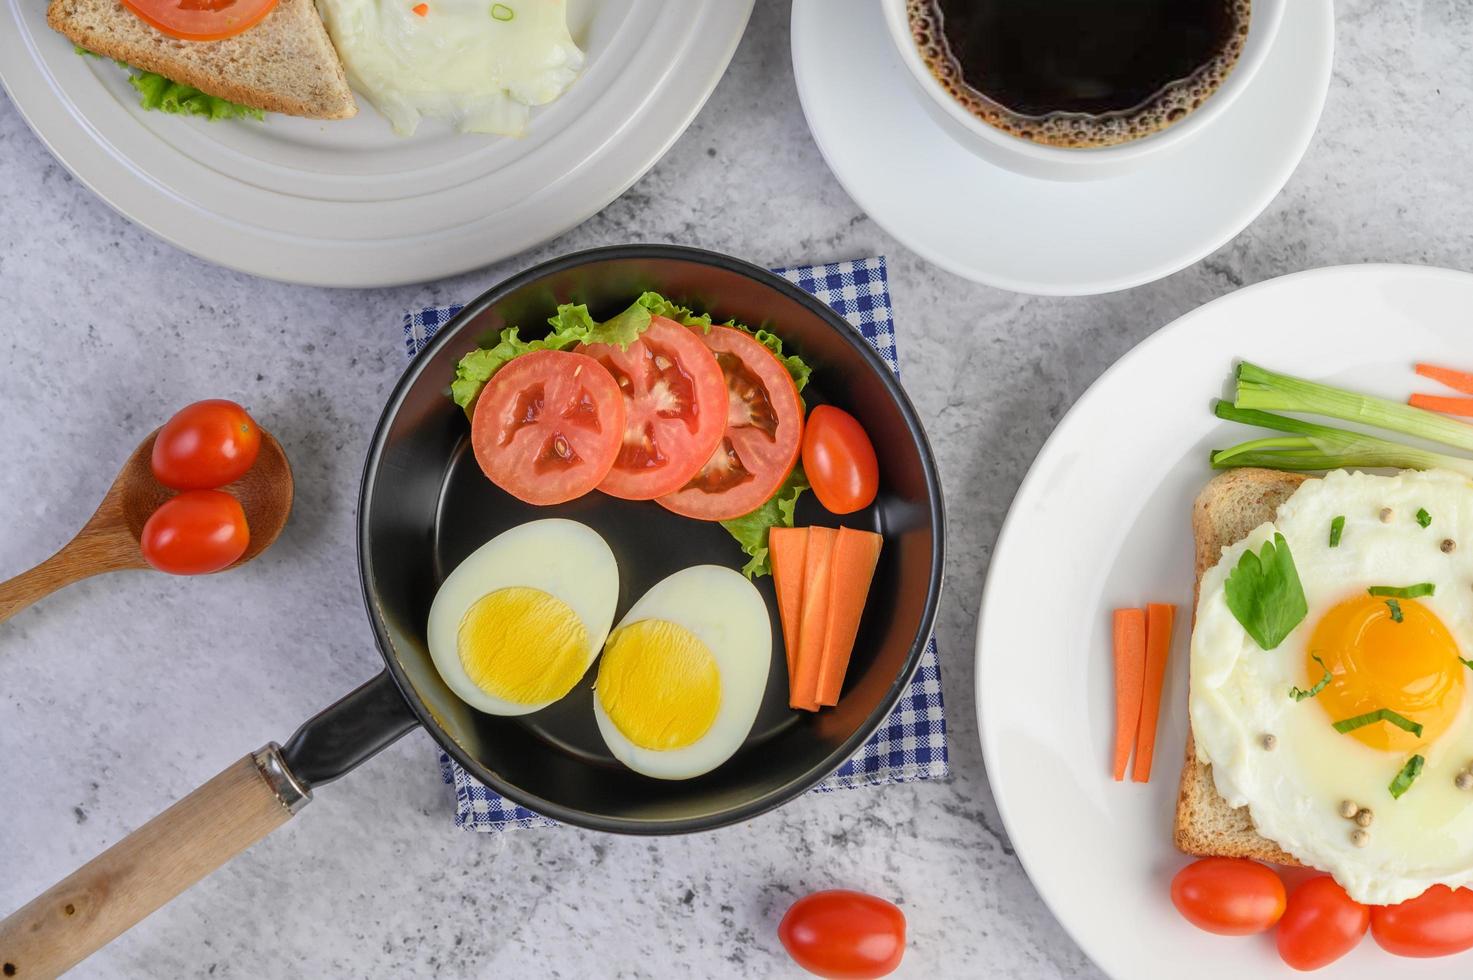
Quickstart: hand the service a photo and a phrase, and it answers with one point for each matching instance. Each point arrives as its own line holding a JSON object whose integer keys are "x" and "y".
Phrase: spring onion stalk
{"x": 1262, "y": 389}
{"x": 1313, "y": 447}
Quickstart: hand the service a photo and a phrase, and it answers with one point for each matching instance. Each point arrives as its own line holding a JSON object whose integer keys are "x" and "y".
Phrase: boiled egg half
{"x": 517, "y": 623}
{"x": 683, "y": 674}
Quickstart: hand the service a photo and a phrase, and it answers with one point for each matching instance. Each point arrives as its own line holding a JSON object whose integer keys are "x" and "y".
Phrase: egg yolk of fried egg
{"x": 659, "y": 684}
{"x": 1411, "y": 667}
{"x": 523, "y": 645}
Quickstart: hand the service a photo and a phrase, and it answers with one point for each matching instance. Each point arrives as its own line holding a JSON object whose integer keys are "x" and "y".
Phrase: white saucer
{"x": 1040, "y": 236}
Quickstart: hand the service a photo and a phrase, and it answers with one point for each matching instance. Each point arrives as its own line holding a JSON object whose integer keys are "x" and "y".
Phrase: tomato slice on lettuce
{"x": 201, "y": 20}
{"x": 674, "y": 408}
{"x": 547, "y": 426}
{"x": 764, "y": 430}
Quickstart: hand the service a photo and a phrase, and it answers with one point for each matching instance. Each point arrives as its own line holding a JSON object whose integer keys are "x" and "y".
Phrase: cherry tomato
{"x": 839, "y": 460}
{"x": 1320, "y": 924}
{"x": 1437, "y": 922}
{"x": 206, "y": 445}
{"x": 548, "y": 426}
{"x": 763, "y": 433}
{"x": 844, "y": 934}
{"x": 201, "y": 20}
{"x": 195, "y": 533}
{"x": 1228, "y": 896}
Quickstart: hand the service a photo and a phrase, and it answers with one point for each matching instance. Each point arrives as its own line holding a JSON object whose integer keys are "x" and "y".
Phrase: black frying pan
{"x": 424, "y": 506}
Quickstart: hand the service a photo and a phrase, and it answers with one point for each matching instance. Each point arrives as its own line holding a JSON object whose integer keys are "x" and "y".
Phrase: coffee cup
{"x": 1139, "y": 136}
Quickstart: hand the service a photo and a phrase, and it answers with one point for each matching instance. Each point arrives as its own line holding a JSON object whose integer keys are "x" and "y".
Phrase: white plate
{"x": 348, "y": 203}
{"x": 1103, "y": 520}
{"x": 1039, "y": 236}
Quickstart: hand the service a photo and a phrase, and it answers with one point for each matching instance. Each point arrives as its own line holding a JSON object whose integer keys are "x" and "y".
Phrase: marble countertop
{"x": 121, "y": 694}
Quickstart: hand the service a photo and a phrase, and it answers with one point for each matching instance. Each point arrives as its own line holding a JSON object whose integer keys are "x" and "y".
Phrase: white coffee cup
{"x": 1083, "y": 163}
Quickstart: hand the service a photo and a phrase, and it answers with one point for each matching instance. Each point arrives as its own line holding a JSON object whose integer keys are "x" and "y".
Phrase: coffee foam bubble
{"x": 1069, "y": 129}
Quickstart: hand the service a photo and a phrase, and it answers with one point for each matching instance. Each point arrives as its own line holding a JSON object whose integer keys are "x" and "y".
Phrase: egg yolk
{"x": 659, "y": 684}
{"x": 1410, "y": 667}
{"x": 522, "y": 645}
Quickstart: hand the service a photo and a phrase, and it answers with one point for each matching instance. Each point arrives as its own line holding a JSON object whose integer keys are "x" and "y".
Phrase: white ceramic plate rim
{"x": 89, "y": 149}
{"x": 1130, "y": 955}
{"x": 1314, "y": 61}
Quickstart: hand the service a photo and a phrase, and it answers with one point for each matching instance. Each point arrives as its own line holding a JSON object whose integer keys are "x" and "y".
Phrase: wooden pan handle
{"x": 124, "y": 884}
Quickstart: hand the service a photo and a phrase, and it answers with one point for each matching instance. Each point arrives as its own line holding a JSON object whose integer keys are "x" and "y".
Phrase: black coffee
{"x": 1080, "y": 72}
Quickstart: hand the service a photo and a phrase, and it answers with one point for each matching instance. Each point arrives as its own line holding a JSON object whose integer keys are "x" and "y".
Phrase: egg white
{"x": 565, "y": 559}
{"x": 1239, "y": 691}
{"x": 456, "y": 62}
{"x": 727, "y": 614}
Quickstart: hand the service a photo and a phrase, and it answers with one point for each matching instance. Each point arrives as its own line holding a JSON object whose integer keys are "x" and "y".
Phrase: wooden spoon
{"x": 108, "y": 542}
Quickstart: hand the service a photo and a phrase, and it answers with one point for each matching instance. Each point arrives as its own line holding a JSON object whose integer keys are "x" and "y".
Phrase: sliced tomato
{"x": 674, "y": 409}
{"x": 547, "y": 426}
{"x": 201, "y": 20}
{"x": 764, "y": 430}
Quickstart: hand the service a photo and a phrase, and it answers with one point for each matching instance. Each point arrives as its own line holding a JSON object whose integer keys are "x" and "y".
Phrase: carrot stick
{"x": 812, "y": 617}
{"x": 855, "y": 555}
{"x": 1457, "y": 380}
{"x": 788, "y": 550}
{"x": 1440, "y": 403}
{"x": 1159, "y": 617}
{"x": 1130, "y": 679}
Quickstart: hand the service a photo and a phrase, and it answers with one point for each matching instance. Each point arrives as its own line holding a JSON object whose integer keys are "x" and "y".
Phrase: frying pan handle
{"x": 124, "y": 884}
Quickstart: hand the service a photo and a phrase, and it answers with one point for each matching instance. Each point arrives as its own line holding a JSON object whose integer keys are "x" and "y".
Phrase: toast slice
{"x": 1229, "y": 506}
{"x": 285, "y": 64}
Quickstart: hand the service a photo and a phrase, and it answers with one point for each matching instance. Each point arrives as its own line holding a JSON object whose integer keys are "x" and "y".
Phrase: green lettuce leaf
{"x": 572, "y": 325}
{"x": 797, "y": 367}
{"x": 157, "y": 92}
{"x": 750, "y": 530}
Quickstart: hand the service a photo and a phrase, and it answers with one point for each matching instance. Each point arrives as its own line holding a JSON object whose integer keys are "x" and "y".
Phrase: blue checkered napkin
{"x": 911, "y": 744}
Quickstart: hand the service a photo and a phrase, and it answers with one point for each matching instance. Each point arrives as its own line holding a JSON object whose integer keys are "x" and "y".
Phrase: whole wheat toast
{"x": 286, "y": 63}
{"x": 1229, "y": 506}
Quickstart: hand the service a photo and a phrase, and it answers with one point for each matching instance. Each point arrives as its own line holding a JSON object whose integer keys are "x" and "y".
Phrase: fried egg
{"x": 518, "y": 623}
{"x": 1398, "y": 653}
{"x": 683, "y": 674}
{"x": 478, "y": 65}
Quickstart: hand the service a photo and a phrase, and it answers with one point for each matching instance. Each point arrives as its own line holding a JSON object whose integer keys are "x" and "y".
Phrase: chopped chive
{"x": 1395, "y": 608}
{"x": 1337, "y": 527}
{"x": 1407, "y": 776}
{"x": 1403, "y": 591}
{"x": 500, "y": 11}
{"x": 1466, "y": 663}
{"x": 1423, "y": 518}
{"x": 1347, "y": 725}
{"x": 1299, "y": 694}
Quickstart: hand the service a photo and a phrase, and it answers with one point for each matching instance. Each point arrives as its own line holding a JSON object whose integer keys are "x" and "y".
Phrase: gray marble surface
{"x": 120, "y": 694}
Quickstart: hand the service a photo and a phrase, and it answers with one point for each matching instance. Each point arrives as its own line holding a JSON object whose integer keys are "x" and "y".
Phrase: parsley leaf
{"x": 1403, "y": 591}
{"x": 1337, "y": 528}
{"x": 1395, "y": 608}
{"x": 1423, "y": 518}
{"x": 1347, "y": 725}
{"x": 1264, "y": 594}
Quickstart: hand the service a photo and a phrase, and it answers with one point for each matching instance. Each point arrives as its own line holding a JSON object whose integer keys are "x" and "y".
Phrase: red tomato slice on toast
{"x": 764, "y": 431}
{"x": 201, "y": 20}
{"x": 674, "y": 409}
{"x": 547, "y": 426}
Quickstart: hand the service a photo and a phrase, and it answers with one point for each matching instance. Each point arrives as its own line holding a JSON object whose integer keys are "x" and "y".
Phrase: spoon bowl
{"x": 109, "y": 541}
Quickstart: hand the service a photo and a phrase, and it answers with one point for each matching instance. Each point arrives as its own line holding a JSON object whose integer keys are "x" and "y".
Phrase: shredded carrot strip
{"x": 1457, "y": 380}
{"x": 1440, "y": 403}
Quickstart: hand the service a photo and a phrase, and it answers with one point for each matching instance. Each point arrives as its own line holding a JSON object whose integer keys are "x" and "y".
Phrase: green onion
{"x": 1298, "y": 694}
{"x": 1395, "y": 608}
{"x": 1407, "y": 776}
{"x": 1321, "y": 447}
{"x": 1262, "y": 389}
{"x": 1423, "y": 518}
{"x": 1347, "y": 725}
{"x": 1337, "y": 527}
{"x": 1403, "y": 591}
{"x": 500, "y": 11}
